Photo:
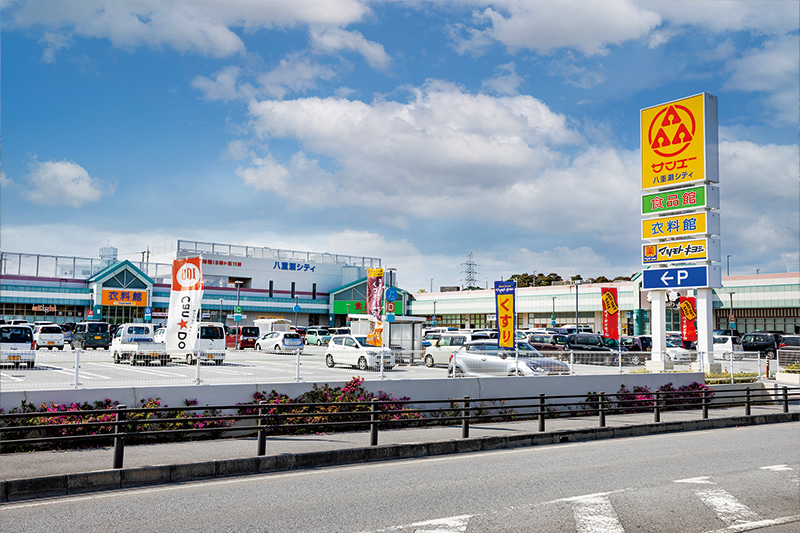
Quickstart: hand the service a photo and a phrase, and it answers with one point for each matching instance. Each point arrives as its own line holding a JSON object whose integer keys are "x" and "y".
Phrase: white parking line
{"x": 9, "y": 378}
{"x": 777, "y": 468}
{"x": 82, "y": 373}
{"x": 727, "y": 507}
{"x": 127, "y": 368}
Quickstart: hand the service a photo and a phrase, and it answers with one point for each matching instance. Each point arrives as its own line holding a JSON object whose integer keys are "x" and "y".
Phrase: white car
{"x": 725, "y": 345}
{"x": 354, "y": 351}
{"x": 48, "y": 336}
{"x": 677, "y": 353}
{"x": 280, "y": 342}
{"x": 160, "y": 335}
{"x": 16, "y": 345}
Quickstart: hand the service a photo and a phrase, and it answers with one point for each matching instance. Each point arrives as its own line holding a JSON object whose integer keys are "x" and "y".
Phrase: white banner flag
{"x": 184, "y": 305}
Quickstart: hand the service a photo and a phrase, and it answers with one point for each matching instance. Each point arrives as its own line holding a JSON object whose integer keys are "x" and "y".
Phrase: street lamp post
{"x": 553, "y": 317}
{"x": 220, "y": 312}
{"x": 729, "y": 265}
{"x": 577, "y": 283}
{"x": 732, "y": 324}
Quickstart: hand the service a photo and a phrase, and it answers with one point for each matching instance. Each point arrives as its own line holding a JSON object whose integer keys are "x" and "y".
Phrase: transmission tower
{"x": 469, "y": 272}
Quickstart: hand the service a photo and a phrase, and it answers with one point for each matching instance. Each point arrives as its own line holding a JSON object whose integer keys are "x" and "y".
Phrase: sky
{"x": 413, "y": 131}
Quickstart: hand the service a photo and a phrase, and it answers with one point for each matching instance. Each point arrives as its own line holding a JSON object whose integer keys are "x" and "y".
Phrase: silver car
{"x": 484, "y": 357}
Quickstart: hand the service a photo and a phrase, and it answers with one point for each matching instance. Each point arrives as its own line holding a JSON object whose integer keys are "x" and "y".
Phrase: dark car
{"x": 762, "y": 342}
{"x": 548, "y": 342}
{"x": 581, "y": 343}
{"x": 248, "y": 335}
{"x": 789, "y": 350}
{"x": 91, "y": 335}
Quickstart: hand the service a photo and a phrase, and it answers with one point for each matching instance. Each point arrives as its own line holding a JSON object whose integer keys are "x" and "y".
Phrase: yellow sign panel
{"x": 678, "y": 226}
{"x": 675, "y": 251}
{"x": 674, "y": 140}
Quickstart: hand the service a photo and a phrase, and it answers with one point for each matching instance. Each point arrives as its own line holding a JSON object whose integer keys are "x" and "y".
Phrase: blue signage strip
{"x": 681, "y": 277}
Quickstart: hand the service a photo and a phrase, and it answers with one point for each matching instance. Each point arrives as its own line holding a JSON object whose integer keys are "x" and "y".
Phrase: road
{"x": 738, "y": 479}
{"x": 56, "y": 369}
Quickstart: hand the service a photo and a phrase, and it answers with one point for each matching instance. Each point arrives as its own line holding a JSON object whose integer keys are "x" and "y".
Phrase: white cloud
{"x": 189, "y": 26}
{"x": 586, "y": 25}
{"x": 265, "y": 175}
{"x": 52, "y": 42}
{"x": 222, "y": 87}
{"x": 5, "y": 181}
{"x": 332, "y": 40}
{"x": 64, "y": 183}
{"x": 506, "y": 81}
{"x": 296, "y": 74}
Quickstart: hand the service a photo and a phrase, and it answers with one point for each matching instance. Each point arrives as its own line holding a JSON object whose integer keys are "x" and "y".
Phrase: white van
{"x": 448, "y": 343}
{"x": 48, "y": 336}
{"x": 725, "y": 345}
{"x": 268, "y": 325}
{"x": 17, "y": 345}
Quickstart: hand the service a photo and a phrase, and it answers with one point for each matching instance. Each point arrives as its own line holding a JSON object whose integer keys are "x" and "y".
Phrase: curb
{"x": 67, "y": 484}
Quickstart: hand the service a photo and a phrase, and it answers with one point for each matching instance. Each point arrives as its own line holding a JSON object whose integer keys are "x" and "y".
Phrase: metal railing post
{"x": 602, "y": 409}
{"x": 197, "y": 370}
{"x": 297, "y": 365}
{"x": 373, "y": 424}
{"x": 571, "y": 362}
{"x": 119, "y": 439}
{"x": 657, "y": 407}
{"x": 77, "y": 367}
{"x": 747, "y": 402}
{"x": 705, "y": 404}
{"x": 465, "y": 419}
{"x": 786, "y": 399}
{"x": 541, "y": 413}
{"x": 262, "y": 430}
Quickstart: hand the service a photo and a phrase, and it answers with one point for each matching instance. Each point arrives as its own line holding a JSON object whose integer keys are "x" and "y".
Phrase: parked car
{"x": 581, "y": 343}
{"x": 677, "y": 353}
{"x": 725, "y": 345}
{"x": 548, "y": 342}
{"x": 318, "y": 336}
{"x": 91, "y": 335}
{"x": 354, "y": 351}
{"x": 485, "y": 357}
{"x": 48, "y": 336}
{"x": 448, "y": 343}
{"x": 762, "y": 342}
{"x": 639, "y": 343}
{"x": 280, "y": 342}
{"x": 789, "y": 350}
{"x": 67, "y": 328}
{"x": 17, "y": 346}
{"x": 300, "y": 330}
{"x": 248, "y": 335}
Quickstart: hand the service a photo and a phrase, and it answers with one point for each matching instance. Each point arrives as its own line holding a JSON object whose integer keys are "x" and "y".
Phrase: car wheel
{"x": 319, "y": 342}
{"x": 459, "y": 372}
{"x": 29, "y": 364}
{"x": 770, "y": 354}
{"x": 189, "y": 360}
{"x": 608, "y": 360}
{"x": 116, "y": 358}
{"x": 61, "y": 347}
{"x": 329, "y": 361}
{"x": 635, "y": 360}
{"x": 429, "y": 361}
{"x": 362, "y": 363}
{"x": 277, "y": 348}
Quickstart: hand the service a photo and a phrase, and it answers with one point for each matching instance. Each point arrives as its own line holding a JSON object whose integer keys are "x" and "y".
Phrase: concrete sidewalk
{"x": 49, "y": 473}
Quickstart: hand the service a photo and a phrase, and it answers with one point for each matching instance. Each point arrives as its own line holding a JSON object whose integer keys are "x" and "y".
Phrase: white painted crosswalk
{"x": 597, "y": 513}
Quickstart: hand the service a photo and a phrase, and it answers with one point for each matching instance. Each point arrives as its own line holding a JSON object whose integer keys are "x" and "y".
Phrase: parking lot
{"x": 57, "y": 369}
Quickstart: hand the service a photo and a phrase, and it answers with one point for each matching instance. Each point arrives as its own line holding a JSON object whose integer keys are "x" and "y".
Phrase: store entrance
{"x": 120, "y": 314}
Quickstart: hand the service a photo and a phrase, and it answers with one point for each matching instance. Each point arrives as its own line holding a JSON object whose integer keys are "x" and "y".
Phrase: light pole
{"x": 238, "y": 283}
{"x": 729, "y": 265}
{"x": 553, "y": 316}
{"x": 220, "y": 312}
{"x": 732, "y": 320}
{"x": 577, "y": 283}
{"x": 431, "y": 284}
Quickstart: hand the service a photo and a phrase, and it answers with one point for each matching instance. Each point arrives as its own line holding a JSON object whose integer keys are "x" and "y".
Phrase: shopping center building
{"x": 313, "y": 288}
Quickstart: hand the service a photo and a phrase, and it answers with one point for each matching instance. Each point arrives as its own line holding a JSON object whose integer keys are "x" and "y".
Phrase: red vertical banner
{"x": 688, "y": 318}
{"x": 610, "y": 312}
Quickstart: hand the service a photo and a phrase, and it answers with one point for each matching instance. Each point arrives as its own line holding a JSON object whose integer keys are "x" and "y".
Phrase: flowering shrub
{"x": 76, "y": 420}
{"x": 353, "y": 391}
{"x": 642, "y": 399}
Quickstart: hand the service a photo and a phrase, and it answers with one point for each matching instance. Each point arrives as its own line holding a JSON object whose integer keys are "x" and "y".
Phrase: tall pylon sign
{"x": 680, "y": 205}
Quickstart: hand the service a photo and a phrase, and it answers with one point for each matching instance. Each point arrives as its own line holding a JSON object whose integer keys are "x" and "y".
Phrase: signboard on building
{"x": 679, "y": 142}
{"x": 688, "y": 277}
{"x": 131, "y": 297}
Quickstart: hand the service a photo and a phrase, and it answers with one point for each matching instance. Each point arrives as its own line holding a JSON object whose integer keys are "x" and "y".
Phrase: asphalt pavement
{"x": 47, "y": 473}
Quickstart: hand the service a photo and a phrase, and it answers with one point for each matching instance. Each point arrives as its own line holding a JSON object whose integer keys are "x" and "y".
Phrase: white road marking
{"x": 595, "y": 514}
{"x": 777, "y": 468}
{"x": 727, "y": 507}
{"x": 81, "y": 373}
{"x": 9, "y": 377}
{"x": 752, "y": 526}
{"x": 145, "y": 370}
{"x": 704, "y": 480}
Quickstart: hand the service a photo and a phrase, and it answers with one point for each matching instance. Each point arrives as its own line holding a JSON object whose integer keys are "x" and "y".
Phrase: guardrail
{"x": 122, "y": 424}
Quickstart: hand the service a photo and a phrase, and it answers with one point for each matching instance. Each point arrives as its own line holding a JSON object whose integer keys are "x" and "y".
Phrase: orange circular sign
{"x": 671, "y": 130}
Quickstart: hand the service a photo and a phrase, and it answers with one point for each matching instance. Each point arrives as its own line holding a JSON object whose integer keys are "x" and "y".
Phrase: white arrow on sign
{"x": 682, "y": 275}
{"x": 666, "y": 278}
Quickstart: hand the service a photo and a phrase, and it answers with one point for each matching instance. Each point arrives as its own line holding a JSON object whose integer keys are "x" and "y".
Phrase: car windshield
{"x": 672, "y": 344}
{"x": 211, "y": 332}
{"x": 50, "y": 329}
{"x": 526, "y": 350}
{"x": 291, "y": 336}
{"x": 15, "y": 334}
{"x": 249, "y": 331}
{"x": 720, "y": 340}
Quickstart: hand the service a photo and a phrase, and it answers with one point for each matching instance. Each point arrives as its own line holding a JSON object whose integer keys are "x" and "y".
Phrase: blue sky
{"x": 412, "y": 131}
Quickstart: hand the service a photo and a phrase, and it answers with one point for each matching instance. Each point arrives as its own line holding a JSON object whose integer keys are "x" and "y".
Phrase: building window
{"x": 293, "y": 289}
{"x": 314, "y": 292}
{"x": 270, "y": 288}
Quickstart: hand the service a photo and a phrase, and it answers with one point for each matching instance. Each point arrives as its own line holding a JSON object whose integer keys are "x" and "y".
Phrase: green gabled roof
{"x": 359, "y": 282}
{"x": 112, "y": 271}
